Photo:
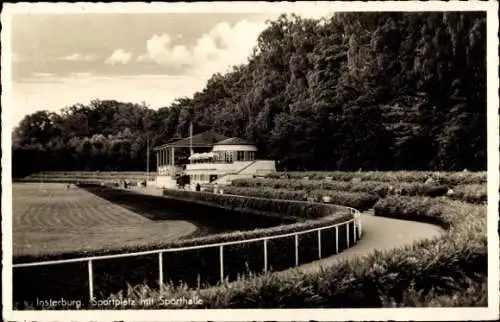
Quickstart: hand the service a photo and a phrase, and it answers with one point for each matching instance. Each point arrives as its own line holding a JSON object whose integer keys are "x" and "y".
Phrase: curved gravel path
{"x": 379, "y": 233}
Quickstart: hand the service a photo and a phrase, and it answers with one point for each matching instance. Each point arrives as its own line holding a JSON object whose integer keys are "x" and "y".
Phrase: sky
{"x": 63, "y": 59}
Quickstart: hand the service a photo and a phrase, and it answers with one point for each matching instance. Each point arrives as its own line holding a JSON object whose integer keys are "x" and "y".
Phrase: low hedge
{"x": 381, "y": 189}
{"x": 422, "y": 274}
{"x": 472, "y": 193}
{"x": 445, "y": 178}
{"x": 358, "y": 200}
{"x": 291, "y": 209}
{"x": 194, "y": 267}
{"x": 408, "y": 208}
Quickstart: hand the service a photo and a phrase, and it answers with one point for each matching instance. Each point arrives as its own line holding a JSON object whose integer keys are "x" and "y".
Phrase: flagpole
{"x": 191, "y": 138}
{"x": 147, "y": 158}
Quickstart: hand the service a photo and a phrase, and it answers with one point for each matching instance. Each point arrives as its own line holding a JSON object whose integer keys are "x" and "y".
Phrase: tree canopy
{"x": 376, "y": 91}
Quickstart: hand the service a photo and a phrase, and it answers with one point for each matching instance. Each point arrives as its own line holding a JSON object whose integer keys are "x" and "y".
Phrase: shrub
{"x": 381, "y": 189}
{"x": 358, "y": 200}
{"x": 291, "y": 209}
{"x": 445, "y": 178}
{"x": 408, "y": 208}
{"x": 473, "y": 193}
{"x": 425, "y": 273}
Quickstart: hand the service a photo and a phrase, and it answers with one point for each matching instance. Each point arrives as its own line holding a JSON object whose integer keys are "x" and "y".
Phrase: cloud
{"x": 78, "y": 57}
{"x": 119, "y": 56}
{"x": 215, "y": 51}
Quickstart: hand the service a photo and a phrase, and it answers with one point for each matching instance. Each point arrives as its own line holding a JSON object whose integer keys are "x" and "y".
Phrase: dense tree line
{"x": 374, "y": 91}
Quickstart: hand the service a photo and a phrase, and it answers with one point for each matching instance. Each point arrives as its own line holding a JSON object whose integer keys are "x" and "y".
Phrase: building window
{"x": 228, "y": 156}
{"x": 240, "y": 156}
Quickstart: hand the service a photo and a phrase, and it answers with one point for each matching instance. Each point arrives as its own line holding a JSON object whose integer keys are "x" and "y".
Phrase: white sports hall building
{"x": 208, "y": 158}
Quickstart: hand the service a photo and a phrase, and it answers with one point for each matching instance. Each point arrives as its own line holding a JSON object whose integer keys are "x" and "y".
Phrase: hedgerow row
{"x": 472, "y": 193}
{"x": 381, "y": 189}
{"x": 445, "y": 178}
{"x": 357, "y": 200}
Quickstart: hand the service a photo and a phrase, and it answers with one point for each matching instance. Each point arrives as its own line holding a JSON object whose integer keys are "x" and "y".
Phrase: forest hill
{"x": 376, "y": 91}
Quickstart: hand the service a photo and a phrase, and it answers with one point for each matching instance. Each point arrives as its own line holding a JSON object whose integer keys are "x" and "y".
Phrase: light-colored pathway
{"x": 379, "y": 233}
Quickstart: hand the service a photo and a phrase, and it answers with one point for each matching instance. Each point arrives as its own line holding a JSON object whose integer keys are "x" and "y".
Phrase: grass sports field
{"x": 49, "y": 218}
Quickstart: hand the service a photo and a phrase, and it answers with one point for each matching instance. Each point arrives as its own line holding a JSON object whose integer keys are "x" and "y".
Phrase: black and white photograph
{"x": 240, "y": 161}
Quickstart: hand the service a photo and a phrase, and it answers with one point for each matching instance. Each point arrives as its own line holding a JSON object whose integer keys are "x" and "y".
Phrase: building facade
{"x": 218, "y": 161}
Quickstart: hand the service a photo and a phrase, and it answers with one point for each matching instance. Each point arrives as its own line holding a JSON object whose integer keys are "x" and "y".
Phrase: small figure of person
{"x": 198, "y": 187}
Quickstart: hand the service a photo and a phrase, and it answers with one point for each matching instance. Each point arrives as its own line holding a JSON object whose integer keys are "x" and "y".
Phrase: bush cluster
{"x": 472, "y": 193}
{"x": 381, "y": 189}
{"x": 445, "y": 178}
{"x": 292, "y": 209}
{"x": 357, "y": 200}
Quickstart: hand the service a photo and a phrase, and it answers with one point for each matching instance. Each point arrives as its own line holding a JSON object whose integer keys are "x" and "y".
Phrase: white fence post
{"x": 319, "y": 243}
{"x": 336, "y": 239}
{"x": 354, "y": 229}
{"x": 265, "y": 255}
{"x": 91, "y": 281}
{"x": 359, "y": 225}
{"x": 296, "y": 250}
{"x": 160, "y": 269}
{"x": 221, "y": 262}
{"x": 347, "y": 234}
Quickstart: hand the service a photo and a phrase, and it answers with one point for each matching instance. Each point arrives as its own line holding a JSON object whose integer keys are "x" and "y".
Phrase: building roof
{"x": 201, "y": 140}
{"x": 234, "y": 141}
